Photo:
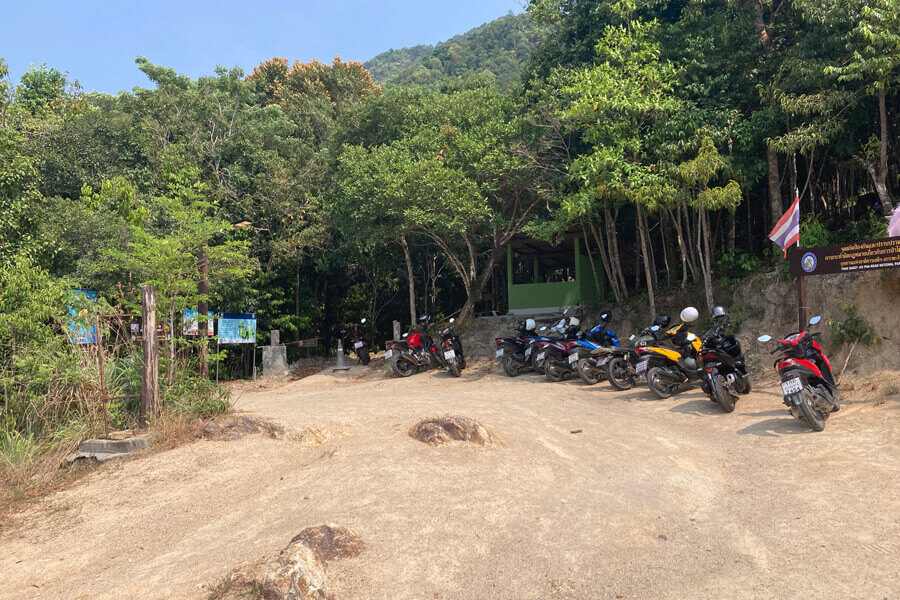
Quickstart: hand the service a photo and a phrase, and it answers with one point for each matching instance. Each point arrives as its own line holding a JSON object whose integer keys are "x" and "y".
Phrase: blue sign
{"x": 190, "y": 325}
{"x": 809, "y": 262}
{"x": 237, "y": 328}
{"x": 82, "y": 329}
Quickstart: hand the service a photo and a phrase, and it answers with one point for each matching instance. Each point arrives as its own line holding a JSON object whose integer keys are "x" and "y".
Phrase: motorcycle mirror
{"x": 631, "y": 338}
{"x": 406, "y": 334}
{"x": 363, "y": 320}
{"x": 764, "y": 338}
{"x": 565, "y": 312}
{"x": 451, "y": 320}
{"x": 544, "y": 328}
{"x": 654, "y": 328}
{"x": 815, "y": 320}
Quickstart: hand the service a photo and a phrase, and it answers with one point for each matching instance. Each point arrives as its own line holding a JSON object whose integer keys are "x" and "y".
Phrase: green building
{"x": 542, "y": 278}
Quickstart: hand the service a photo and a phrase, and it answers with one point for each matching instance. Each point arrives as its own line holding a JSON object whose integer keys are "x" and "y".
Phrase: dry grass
{"x": 442, "y": 430}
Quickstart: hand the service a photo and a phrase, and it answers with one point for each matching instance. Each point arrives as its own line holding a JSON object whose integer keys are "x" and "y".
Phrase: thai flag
{"x": 787, "y": 229}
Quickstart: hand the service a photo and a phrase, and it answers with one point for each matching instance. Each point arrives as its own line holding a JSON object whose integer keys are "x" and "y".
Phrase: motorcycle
{"x": 667, "y": 369}
{"x": 360, "y": 343}
{"x": 514, "y": 354}
{"x": 620, "y": 363}
{"x": 418, "y": 350}
{"x": 587, "y": 350}
{"x": 726, "y": 377}
{"x": 807, "y": 380}
{"x": 555, "y": 355}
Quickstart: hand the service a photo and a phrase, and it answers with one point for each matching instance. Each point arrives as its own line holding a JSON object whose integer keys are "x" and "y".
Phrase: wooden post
{"x": 150, "y": 377}
{"x": 396, "y": 330}
{"x": 803, "y": 309}
{"x": 102, "y": 377}
{"x": 203, "y": 309}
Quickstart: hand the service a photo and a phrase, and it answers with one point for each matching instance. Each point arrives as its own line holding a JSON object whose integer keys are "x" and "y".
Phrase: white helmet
{"x": 529, "y": 324}
{"x": 689, "y": 314}
{"x": 574, "y": 321}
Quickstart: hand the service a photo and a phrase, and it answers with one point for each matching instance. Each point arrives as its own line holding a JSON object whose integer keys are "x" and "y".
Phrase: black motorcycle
{"x": 418, "y": 350}
{"x": 360, "y": 343}
{"x": 514, "y": 354}
{"x": 451, "y": 353}
{"x": 725, "y": 370}
{"x": 620, "y": 363}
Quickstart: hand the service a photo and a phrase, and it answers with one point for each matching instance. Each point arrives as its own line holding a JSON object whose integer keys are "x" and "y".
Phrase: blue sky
{"x": 97, "y": 42}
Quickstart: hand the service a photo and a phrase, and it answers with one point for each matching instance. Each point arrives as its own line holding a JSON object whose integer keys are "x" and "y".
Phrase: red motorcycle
{"x": 418, "y": 350}
{"x": 807, "y": 380}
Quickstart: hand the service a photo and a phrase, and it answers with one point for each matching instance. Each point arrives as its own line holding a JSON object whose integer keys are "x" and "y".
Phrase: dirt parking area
{"x": 588, "y": 494}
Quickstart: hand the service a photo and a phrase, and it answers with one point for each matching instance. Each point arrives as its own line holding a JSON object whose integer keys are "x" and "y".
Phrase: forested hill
{"x": 495, "y": 51}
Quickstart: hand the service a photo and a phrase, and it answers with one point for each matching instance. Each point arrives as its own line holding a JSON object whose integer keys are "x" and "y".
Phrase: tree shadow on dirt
{"x": 776, "y": 427}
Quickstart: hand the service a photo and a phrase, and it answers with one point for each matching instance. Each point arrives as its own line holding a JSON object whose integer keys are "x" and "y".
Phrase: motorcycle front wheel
{"x": 618, "y": 375}
{"x": 656, "y": 381}
{"x": 402, "y": 367}
{"x": 538, "y": 365}
{"x": 589, "y": 373}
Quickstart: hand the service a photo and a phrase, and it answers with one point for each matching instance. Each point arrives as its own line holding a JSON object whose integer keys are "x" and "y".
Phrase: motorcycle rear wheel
{"x": 657, "y": 385}
{"x": 508, "y": 367}
{"x": 402, "y": 367}
{"x": 618, "y": 375}
{"x": 552, "y": 371}
{"x": 721, "y": 395}
{"x": 811, "y": 414}
{"x": 364, "y": 356}
{"x": 453, "y": 368}
{"x": 590, "y": 374}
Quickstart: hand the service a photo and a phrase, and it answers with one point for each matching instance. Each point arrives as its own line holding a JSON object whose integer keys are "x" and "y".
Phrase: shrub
{"x": 852, "y": 329}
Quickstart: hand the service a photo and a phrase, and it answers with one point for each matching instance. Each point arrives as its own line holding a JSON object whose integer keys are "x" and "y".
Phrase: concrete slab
{"x": 104, "y": 450}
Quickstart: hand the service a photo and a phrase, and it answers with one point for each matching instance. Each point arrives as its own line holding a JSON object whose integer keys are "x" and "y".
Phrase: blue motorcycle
{"x": 584, "y": 352}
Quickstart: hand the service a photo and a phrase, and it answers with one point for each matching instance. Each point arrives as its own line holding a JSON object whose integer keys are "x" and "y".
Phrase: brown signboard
{"x": 883, "y": 253}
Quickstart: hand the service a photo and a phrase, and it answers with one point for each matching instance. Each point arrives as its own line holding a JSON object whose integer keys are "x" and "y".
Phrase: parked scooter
{"x": 360, "y": 343}
{"x": 807, "y": 380}
{"x": 668, "y": 369}
{"x": 620, "y": 363}
{"x": 418, "y": 350}
{"x": 583, "y": 350}
{"x": 555, "y": 354}
{"x": 514, "y": 354}
{"x": 726, "y": 377}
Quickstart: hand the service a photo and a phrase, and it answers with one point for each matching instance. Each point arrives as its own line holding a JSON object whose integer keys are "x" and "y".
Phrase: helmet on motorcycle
{"x": 690, "y": 314}
{"x": 662, "y": 321}
{"x": 720, "y": 315}
{"x": 530, "y": 324}
{"x": 574, "y": 322}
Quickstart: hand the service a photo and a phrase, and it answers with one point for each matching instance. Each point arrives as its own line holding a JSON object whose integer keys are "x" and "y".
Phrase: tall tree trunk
{"x": 775, "y": 205}
{"x": 610, "y": 276}
{"x": 665, "y": 248}
{"x": 412, "y": 282}
{"x": 705, "y": 256}
{"x": 691, "y": 250}
{"x": 729, "y": 242}
{"x": 645, "y": 250}
{"x": 679, "y": 233}
{"x": 879, "y": 173}
{"x": 615, "y": 259}
{"x": 475, "y": 287}
{"x": 652, "y": 255}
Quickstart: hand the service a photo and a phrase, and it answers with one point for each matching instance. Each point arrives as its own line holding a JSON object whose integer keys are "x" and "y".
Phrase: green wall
{"x": 550, "y": 295}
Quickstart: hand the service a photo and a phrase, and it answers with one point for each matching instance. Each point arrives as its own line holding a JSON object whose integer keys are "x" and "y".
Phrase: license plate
{"x": 358, "y": 345}
{"x": 792, "y": 386}
{"x": 641, "y": 367}
{"x": 387, "y": 354}
{"x": 541, "y": 355}
{"x": 573, "y": 358}
{"x": 449, "y": 354}
{"x": 528, "y": 352}
{"x": 499, "y": 352}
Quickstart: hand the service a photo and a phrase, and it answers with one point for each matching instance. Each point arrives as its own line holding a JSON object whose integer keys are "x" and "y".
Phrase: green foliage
{"x": 40, "y": 88}
{"x": 852, "y": 329}
{"x": 733, "y": 266}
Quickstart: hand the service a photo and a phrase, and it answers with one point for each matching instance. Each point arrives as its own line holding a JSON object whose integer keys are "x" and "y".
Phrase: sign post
{"x": 150, "y": 377}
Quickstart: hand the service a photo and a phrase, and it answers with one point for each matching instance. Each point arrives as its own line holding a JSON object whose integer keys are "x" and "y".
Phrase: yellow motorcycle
{"x": 667, "y": 369}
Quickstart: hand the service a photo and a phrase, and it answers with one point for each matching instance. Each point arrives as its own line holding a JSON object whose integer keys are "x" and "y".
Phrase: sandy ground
{"x": 653, "y": 499}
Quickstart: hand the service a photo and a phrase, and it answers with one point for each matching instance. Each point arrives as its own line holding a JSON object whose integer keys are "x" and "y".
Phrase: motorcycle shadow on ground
{"x": 776, "y": 427}
{"x": 700, "y": 407}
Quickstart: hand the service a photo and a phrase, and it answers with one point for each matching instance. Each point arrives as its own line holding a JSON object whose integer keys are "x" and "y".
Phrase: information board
{"x": 237, "y": 328}
{"x": 189, "y": 323}
{"x": 882, "y": 253}
{"x": 82, "y": 329}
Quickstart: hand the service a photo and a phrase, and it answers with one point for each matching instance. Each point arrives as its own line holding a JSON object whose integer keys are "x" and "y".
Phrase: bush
{"x": 852, "y": 329}
{"x": 736, "y": 265}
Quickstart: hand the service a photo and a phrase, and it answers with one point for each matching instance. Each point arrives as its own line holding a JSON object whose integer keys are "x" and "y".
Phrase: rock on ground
{"x": 442, "y": 430}
{"x": 298, "y": 572}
